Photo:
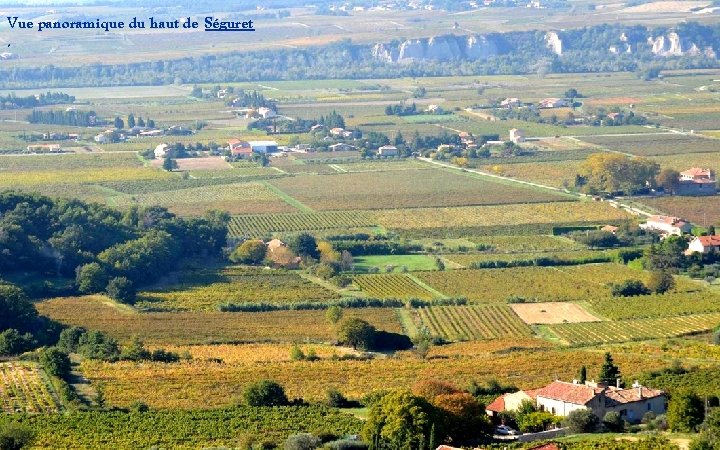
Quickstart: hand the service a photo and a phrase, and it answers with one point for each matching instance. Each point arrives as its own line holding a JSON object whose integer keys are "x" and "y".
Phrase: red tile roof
{"x": 497, "y": 405}
{"x": 709, "y": 241}
{"x": 697, "y": 172}
{"x": 577, "y": 394}
{"x": 622, "y": 396}
{"x": 668, "y": 220}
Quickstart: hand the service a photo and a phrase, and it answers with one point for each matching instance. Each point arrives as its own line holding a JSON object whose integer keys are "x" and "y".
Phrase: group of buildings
{"x": 561, "y": 398}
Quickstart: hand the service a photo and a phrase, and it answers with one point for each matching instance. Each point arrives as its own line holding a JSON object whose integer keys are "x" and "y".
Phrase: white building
{"x": 517, "y": 136}
{"x": 161, "y": 151}
{"x": 388, "y": 150}
{"x": 704, "y": 244}
{"x": 667, "y": 225}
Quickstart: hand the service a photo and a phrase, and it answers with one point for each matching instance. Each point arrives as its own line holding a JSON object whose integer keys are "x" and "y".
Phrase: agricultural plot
{"x": 87, "y": 175}
{"x": 192, "y": 328}
{"x": 557, "y": 174}
{"x": 534, "y": 284}
{"x": 489, "y": 216}
{"x": 699, "y": 210}
{"x": 605, "y": 274}
{"x": 64, "y": 161}
{"x": 394, "y": 263}
{"x": 392, "y": 286}
{"x": 24, "y": 389}
{"x": 634, "y": 329}
{"x": 262, "y": 225}
{"x": 402, "y": 190}
{"x": 205, "y": 290}
{"x": 469, "y": 258}
{"x": 461, "y": 323}
{"x": 519, "y": 244}
{"x": 236, "y": 198}
{"x": 650, "y": 306}
{"x": 552, "y": 312}
{"x": 188, "y": 384}
{"x": 209, "y": 163}
{"x": 380, "y": 166}
{"x": 656, "y": 144}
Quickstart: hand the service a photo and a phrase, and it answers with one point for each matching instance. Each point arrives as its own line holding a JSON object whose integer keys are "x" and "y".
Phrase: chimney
{"x": 640, "y": 395}
{"x": 617, "y": 383}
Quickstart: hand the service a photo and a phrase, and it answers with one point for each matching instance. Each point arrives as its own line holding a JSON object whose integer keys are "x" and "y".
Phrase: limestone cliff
{"x": 438, "y": 48}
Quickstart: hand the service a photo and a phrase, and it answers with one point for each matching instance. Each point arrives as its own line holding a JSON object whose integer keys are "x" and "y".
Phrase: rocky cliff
{"x": 438, "y": 48}
{"x": 672, "y": 44}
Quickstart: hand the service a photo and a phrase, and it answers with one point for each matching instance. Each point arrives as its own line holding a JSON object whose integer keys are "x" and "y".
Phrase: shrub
{"x": 629, "y": 288}
{"x": 15, "y": 436}
{"x": 265, "y": 393}
{"x": 335, "y": 399}
{"x": 122, "y": 290}
{"x": 302, "y": 441}
{"x": 582, "y": 421}
{"x": 613, "y": 422}
{"x": 55, "y": 362}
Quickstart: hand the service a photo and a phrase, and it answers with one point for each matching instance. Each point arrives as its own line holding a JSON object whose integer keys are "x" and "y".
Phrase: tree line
{"x": 12, "y": 101}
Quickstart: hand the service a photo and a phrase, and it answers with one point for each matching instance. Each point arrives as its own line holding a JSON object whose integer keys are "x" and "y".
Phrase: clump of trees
{"x": 359, "y": 334}
{"x": 612, "y": 173}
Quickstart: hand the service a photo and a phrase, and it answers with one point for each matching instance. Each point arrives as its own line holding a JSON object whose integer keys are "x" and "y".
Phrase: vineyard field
{"x": 469, "y": 258}
{"x": 635, "y": 329}
{"x": 534, "y": 284}
{"x": 188, "y": 384}
{"x": 184, "y": 430}
{"x": 391, "y": 286}
{"x": 23, "y": 388}
{"x": 477, "y": 216}
{"x": 523, "y": 244}
{"x": 266, "y": 224}
{"x": 461, "y": 323}
{"x": 656, "y": 144}
{"x": 205, "y": 290}
{"x": 237, "y": 198}
{"x": 649, "y": 306}
{"x": 188, "y": 328}
{"x": 400, "y": 189}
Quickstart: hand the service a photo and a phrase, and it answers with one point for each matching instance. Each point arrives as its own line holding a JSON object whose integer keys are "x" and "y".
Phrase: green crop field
{"x": 634, "y": 329}
{"x": 519, "y": 244}
{"x": 392, "y": 286}
{"x": 460, "y": 323}
{"x": 394, "y": 262}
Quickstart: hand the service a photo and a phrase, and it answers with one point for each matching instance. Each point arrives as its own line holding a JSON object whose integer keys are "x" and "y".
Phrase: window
{"x": 649, "y": 407}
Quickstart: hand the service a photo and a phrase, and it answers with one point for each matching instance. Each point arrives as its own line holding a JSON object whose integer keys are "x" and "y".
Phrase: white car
{"x": 505, "y": 430}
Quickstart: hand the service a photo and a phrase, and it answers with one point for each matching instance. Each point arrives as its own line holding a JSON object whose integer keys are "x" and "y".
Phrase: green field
{"x": 394, "y": 263}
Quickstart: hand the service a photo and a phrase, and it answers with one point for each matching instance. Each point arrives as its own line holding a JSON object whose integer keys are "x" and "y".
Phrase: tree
{"x": 612, "y": 172}
{"x": 356, "y": 333}
{"x": 265, "y": 393}
{"x": 305, "y": 245}
{"x": 660, "y": 281}
{"x": 90, "y": 278}
{"x": 609, "y": 372}
{"x": 429, "y": 389}
{"x": 169, "y": 164}
{"x": 119, "y": 124}
{"x": 401, "y": 420}
{"x": 122, "y": 290}
{"x": 131, "y": 120}
{"x": 583, "y": 375}
{"x": 14, "y": 343}
{"x": 15, "y": 309}
{"x": 334, "y": 314}
{"x": 15, "y": 436}
{"x": 685, "y": 411}
{"x": 613, "y": 422}
{"x": 249, "y": 252}
{"x": 136, "y": 351}
{"x": 335, "y": 399}
{"x": 629, "y": 288}
{"x": 572, "y": 93}
{"x": 582, "y": 421}
{"x": 465, "y": 416}
{"x": 668, "y": 179}
{"x": 55, "y": 362}
{"x": 327, "y": 253}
